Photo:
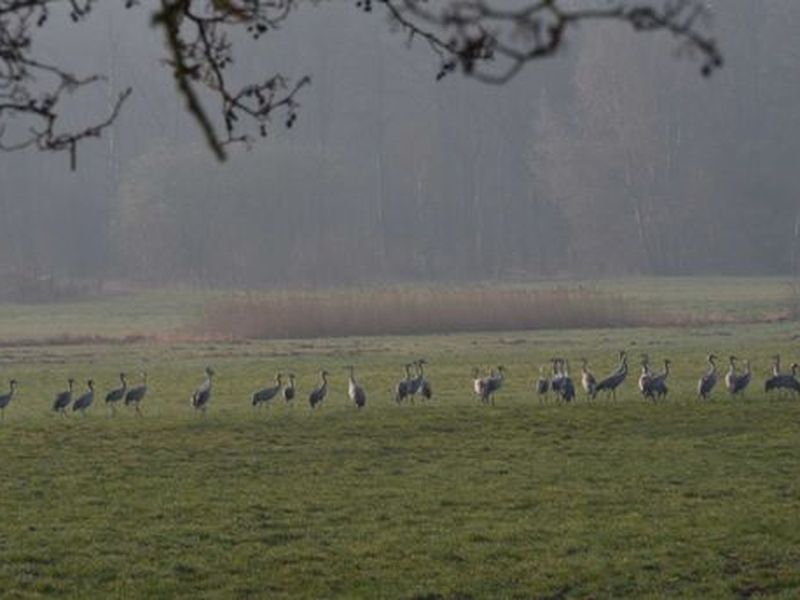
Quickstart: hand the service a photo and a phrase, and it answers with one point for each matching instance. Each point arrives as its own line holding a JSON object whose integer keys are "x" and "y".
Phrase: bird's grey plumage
{"x": 355, "y": 391}
{"x": 117, "y": 394}
{"x": 268, "y": 394}
{"x": 494, "y": 382}
{"x": 613, "y": 381}
{"x": 425, "y": 389}
{"x": 135, "y": 395}
{"x": 85, "y": 401}
{"x": 318, "y": 394}
{"x": 709, "y": 380}
{"x": 784, "y": 381}
{"x": 5, "y": 399}
{"x": 657, "y": 387}
{"x": 202, "y": 395}
{"x": 289, "y": 390}
{"x": 542, "y": 385}
{"x": 64, "y": 399}
{"x": 741, "y": 382}
{"x": 567, "y": 388}
{"x": 402, "y": 388}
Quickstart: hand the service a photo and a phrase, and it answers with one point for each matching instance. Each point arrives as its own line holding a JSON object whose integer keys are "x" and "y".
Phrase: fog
{"x": 614, "y": 158}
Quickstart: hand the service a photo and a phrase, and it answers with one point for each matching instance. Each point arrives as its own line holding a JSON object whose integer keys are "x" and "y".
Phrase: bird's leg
{"x": 138, "y": 411}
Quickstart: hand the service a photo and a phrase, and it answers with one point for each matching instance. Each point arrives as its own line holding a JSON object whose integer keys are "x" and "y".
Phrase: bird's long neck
{"x": 747, "y": 367}
{"x": 712, "y": 366}
{"x": 666, "y": 367}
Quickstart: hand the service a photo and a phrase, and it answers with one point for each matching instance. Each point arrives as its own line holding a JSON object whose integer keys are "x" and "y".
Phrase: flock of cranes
{"x": 652, "y": 385}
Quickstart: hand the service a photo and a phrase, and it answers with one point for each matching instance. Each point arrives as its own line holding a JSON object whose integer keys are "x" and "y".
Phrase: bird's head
{"x": 210, "y": 372}
{"x": 323, "y": 373}
{"x": 13, "y": 384}
{"x": 71, "y": 382}
{"x": 90, "y": 384}
{"x": 732, "y": 359}
{"x": 122, "y": 377}
{"x": 278, "y": 377}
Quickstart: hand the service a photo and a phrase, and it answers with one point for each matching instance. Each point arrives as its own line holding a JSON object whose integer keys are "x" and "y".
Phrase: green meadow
{"x": 445, "y": 499}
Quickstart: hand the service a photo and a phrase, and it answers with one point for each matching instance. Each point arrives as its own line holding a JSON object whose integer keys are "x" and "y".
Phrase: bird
{"x": 567, "y": 387}
{"x": 658, "y": 383}
{"x": 85, "y": 401}
{"x": 494, "y": 382}
{"x": 783, "y": 381}
{"x": 479, "y": 385}
{"x": 64, "y": 399}
{"x": 415, "y": 384}
{"x": 401, "y": 389}
{"x": 202, "y": 395}
{"x": 588, "y": 381}
{"x": 557, "y": 379}
{"x": 742, "y": 381}
{"x": 289, "y": 390}
{"x": 613, "y": 381}
{"x": 709, "y": 380}
{"x": 318, "y": 394}
{"x": 730, "y": 376}
{"x": 425, "y": 388}
{"x": 117, "y": 394}
{"x": 355, "y": 391}
{"x": 645, "y": 378}
{"x": 5, "y": 399}
{"x": 136, "y": 394}
{"x": 265, "y": 395}
{"x": 542, "y": 385}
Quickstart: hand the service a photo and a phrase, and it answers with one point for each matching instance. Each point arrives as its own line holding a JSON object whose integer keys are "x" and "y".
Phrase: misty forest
{"x": 614, "y": 157}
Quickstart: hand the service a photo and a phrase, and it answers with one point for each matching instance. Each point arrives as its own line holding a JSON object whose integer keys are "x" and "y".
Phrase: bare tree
{"x": 483, "y": 39}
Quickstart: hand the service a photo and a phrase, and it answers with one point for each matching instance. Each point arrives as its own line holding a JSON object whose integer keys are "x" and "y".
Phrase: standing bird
{"x": 658, "y": 383}
{"x": 588, "y": 382}
{"x": 709, "y": 380}
{"x": 542, "y": 385}
{"x": 567, "y": 388}
{"x": 479, "y": 385}
{"x": 425, "y": 388}
{"x": 355, "y": 391}
{"x": 85, "y": 401}
{"x": 730, "y": 376}
{"x": 202, "y": 395}
{"x": 64, "y": 399}
{"x": 289, "y": 390}
{"x": 494, "y": 382}
{"x": 117, "y": 394}
{"x": 5, "y": 399}
{"x": 267, "y": 394}
{"x": 783, "y": 381}
{"x": 318, "y": 394}
{"x": 136, "y": 394}
{"x": 742, "y": 381}
{"x": 557, "y": 380}
{"x": 645, "y": 379}
{"x": 415, "y": 384}
{"x": 613, "y": 381}
{"x": 401, "y": 390}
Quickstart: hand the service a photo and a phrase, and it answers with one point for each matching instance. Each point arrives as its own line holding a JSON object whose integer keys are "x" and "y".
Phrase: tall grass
{"x": 414, "y": 311}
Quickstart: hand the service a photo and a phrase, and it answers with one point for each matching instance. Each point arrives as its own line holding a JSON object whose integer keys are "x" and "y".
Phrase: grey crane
{"x": 557, "y": 380}
{"x": 117, "y": 394}
{"x": 425, "y": 388}
{"x": 709, "y": 380}
{"x": 64, "y": 399}
{"x": 202, "y": 395}
{"x": 742, "y": 381}
{"x": 415, "y": 384}
{"x": 135, "y": 395}
{"x": 610, "y": 384}
{"x": 494, "y": 382}
{"x": 783, "y": 381}
{"x": 658, "y": 383}
{"x": 318, "y": 394}
{"x": 645, "y": 378}
{"x": 542, "y": 385}
{"x": 402, "y": 387}
{"x": 479, "y": 385}
{"x": 355, "y": 391}
{"x": 567, "y": 388}
{"x": 267, "y": 394}
{"x": 5, "y": 399}
{"x": 85, "y": 401}
{"x": 730, "y": 376}
{"x": 588, "y": 381}
{"x": 289, "y": 390}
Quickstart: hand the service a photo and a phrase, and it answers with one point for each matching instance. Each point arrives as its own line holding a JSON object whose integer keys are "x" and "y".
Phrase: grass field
{"x": 445, "y": 500}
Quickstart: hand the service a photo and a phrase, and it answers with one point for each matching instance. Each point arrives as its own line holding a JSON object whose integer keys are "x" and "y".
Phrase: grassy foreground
{"x": 448, "y": 500}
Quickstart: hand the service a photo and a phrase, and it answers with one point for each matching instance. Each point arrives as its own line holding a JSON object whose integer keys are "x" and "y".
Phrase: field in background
{"x": 446, "y": 500}
{"x": 411, "y": 309}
